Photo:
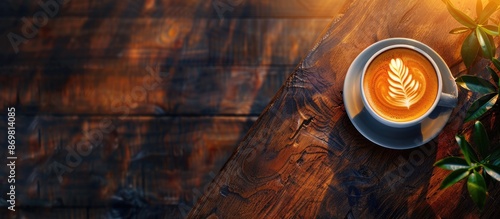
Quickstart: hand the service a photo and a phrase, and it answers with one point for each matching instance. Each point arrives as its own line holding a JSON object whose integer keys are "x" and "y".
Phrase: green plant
{"x": 479, "y": 42}
{"x": 478, "y": 166}
{"x": 490, "y": 92}
{"x": 480, "y": 33}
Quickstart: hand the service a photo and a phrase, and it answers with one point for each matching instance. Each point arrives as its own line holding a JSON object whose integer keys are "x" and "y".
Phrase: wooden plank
{"x": 301, "y": 8}
{"x": 53, "y": 77}
{"x": 180, "y": 8}
{"x": 56, "y": 213}
{"x": 171, "y": 41}
{"x": 88, "y": 161}
{"x": 116, "y": 90}
{"x": 304, "y": 159}
{"x": 109, "y": 8}
{"x": 127, "y": 210}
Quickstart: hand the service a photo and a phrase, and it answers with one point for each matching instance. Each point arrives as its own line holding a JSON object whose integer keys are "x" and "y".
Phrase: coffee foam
{"x": 400, "y": 85}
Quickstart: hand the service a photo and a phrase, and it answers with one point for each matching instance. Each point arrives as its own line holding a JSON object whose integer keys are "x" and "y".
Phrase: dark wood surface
{"x": 303, "y": 158}
{"x": 179, "y": 84}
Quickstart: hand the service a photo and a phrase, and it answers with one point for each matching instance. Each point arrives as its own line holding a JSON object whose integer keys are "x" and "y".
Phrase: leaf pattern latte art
{"x": 403, "y": 88}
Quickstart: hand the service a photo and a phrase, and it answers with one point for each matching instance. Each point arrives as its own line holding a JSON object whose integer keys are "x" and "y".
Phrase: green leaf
{"x": 496, "y": 63}
{"x": 494, "y": 158}
{"x": 493, "y": 171}
{"x": 496, "y": 162}
{"x": 452, "y": 163}
{"x": 495, "y": 155}
{"x": 460, "y": 16}
{"x": 479, "y": 7}
{"x": 488, "y": 10}
{"x": 454, "y": 177}
{"x": 477, "y": 189}
{"x": 493, "y": 74}
{"x": 493, "y": 48}
{"x": 485, "y": 43}
{"x": 475, "y": 84}
{"x": 490, "y": 29}
{"x": 480, "y": 106}
{"x": 481, "y": 139}
{"x": 469, "y": 154}
{"x": 459, "y": 30}
{"x": 487, "y": 178}
{"x": 470, "y": 48}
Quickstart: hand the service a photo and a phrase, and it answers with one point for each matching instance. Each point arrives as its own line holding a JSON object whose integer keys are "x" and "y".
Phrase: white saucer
{"x": 386, "y": 136}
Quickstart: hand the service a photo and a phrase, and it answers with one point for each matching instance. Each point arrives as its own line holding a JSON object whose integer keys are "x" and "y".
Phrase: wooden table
{"x": 303, "y": 158}
{"x": 207, "y": 80}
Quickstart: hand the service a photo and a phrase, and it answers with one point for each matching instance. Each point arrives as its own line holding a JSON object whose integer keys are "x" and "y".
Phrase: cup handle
{"x": 448, "y": 100}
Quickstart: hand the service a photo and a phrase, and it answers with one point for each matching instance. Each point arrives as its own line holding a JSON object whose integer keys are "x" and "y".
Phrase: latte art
{"x": 400, "y": 85}
{"x": 403, "y": 88}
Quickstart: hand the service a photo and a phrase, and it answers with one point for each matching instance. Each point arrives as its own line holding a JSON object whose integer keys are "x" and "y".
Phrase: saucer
{"x": 383, "y": 135}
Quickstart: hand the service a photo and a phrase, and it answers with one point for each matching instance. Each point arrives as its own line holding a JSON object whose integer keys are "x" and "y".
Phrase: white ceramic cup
{"x": 441, "y": 99}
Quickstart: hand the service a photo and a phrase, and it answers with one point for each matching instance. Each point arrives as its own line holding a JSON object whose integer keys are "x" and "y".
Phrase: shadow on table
{"x": 372, "y": 181}
{"x": 392, "y": 137}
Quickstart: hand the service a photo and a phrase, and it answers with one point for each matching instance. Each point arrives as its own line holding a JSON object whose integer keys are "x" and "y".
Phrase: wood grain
{"x": 56, "y": 213}
{"x": 304, "y": 159}
{"x": 85, "y": 62}
{"x": 89, "y": 75}
{"x": 171, "y": 41}
{"x": 83, "y": 161}
{"x": 145, "y": 90}
{"x": 182, "y": 8}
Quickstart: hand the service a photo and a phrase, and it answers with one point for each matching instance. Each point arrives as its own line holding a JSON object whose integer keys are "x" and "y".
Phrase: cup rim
{"x": 423, "y": 116}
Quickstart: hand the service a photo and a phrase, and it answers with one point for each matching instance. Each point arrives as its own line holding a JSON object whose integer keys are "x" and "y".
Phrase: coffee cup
{"x": 401, "y": 85}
